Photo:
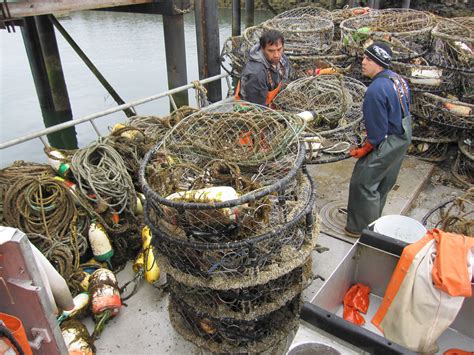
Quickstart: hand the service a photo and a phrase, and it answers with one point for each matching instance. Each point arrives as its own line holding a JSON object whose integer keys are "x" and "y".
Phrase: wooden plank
{"x": 41, "y": 7}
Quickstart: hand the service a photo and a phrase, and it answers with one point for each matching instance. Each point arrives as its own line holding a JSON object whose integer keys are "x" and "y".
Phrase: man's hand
{"x": 366, "y": 148}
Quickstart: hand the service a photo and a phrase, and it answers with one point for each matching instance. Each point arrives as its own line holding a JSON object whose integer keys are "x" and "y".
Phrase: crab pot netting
{"x": 424, "y": 77}
{"x": 234, "y": 336}
{"x": 466, "y": 87}
{"x": 407, "y": 31}
{"x": 463, "y": 167}
{"x": 303, "y": 66}
{"x": 244, "y": 303}
{"x": 235, "y": 52}
{"x": 453, "y": 44}
{"x": 340, "y": 15}
{"x": 443, "y": 110}
{"x": 355, "y": 72}
{"x": 304, "y": 11}
{"x": 305, "y": 35}
{"x": 283, "y": 243}
{"x": 428, "y": 151}
{"x": 433, "y": 132}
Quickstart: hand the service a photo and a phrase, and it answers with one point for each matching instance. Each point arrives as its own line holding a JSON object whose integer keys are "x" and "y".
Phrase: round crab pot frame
{"x": 306, "y": 35}
{"x": 426, "y": 78}
{"x": 407, "y": 31}
{"x": 235, "y": 52}
{"x": 426, "y": 150}
{"x": 453, "y": 43}
{"x": 463, "y": 167}
{"x": 433, "y": 132}
{"x": 334, "y": 100}
{"x": 280, "y": 248}
{"x": 443, "y": 110}
{"x": 234, "y": 56}
{"x": 303, "y": 66}
{"x": 298, "y": 12}
{"x": 244, "y": 303}
{"x": 340, "y": 15}
{"x": 234, "y": 336}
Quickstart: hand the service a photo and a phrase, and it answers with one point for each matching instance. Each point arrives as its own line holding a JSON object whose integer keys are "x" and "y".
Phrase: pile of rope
{"x": 456, "y": 215}
{"x": 407, "y": 31}
{"x": 44, "y": 209}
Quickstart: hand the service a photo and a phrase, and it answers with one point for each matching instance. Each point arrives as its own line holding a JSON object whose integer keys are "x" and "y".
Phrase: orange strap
{"x": 270, "y": 94}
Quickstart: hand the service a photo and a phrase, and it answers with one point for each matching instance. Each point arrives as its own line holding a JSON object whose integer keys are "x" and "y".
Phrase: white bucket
{"x": 399, "y": 227}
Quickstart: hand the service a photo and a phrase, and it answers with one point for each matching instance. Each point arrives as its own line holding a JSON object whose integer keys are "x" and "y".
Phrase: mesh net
{"x": 284, "y": 239}
{"x": 304, "y": 10}
{"x": 336, "y": 105}
{"x": 234, "y": 336}
{"x": 466, "y": 87}
{"x": 244, "y": 303}
{"x": 156, "y": 127}
{"x": 433, "y": 132}
{"x": 427, "y": 151}
{"x": 234, "y": 55}
{"x": 444, "y": 110}
{"x": 407, "y": 31}
{"x": 453, "y": 43}
{"x": 304, "y": 35}
{"x": 303, "y": 66}
{"x": 426, "y": 78}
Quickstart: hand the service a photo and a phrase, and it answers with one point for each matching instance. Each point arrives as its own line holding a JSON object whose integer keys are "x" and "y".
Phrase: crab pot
{"x": 305, "y": 35}
{"x": 463, "y": 168}
{"x": 443, "y": 110}
{"x": 427, "y": 150}
{"x": 340, "y": 15}
{"x": 272, "y": 252}
{"x": 335, "y": 102}
{"x": 432, "y": 132}
{"x": 408, "y": 32}
{"x": 304, "y": 66}
{"x": 355, "y": 72}
{"x": 453, "y": 40}
{"x": 229, "y": 335}
{"x": 244, "y": 303}
{"x": 426, "y": 78}
{"x": 467, "y": 87}
{"x": 234, "y": 56}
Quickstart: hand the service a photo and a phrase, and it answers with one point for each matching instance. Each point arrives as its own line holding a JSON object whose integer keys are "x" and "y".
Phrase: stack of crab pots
{"x": 230, "y": 207}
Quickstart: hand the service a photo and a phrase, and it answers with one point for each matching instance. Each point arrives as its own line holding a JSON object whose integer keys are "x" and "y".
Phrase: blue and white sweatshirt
{"x": 382, "y": 111}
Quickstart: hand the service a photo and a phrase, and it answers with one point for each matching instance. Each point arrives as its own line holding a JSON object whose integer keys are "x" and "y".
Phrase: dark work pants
{"x": 373, "y": 177}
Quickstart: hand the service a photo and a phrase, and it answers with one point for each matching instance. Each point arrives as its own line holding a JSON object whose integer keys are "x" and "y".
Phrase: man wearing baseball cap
{"x": 388, "y": 124}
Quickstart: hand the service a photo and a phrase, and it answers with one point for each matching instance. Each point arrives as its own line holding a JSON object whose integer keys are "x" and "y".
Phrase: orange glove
{"x": 366, "y": 148}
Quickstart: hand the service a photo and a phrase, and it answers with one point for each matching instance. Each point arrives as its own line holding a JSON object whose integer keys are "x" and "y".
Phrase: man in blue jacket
{"x": 267, "y": 67}
{"x": 388, "y": 124}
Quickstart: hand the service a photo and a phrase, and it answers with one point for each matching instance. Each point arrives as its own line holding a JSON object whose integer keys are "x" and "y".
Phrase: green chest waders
{"x": 374, "y": 176}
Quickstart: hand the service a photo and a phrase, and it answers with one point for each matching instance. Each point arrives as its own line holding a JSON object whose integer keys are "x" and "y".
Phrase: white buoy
{"x": 100, "y": 243}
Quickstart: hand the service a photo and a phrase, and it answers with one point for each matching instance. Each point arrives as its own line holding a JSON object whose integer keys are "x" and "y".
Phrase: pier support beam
{"x": 236, "y": 18}
{"x": 249, "y": 13}
{"x": 207, "y": 40}
{"x": 34, "y": 52}
{"x": 54, "y": 70}
{"x": 173, "y": 26}
{"x": 406, "y": 4}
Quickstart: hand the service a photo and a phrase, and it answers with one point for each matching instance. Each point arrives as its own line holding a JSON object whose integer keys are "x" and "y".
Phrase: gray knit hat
{"x": 380, "y": 53}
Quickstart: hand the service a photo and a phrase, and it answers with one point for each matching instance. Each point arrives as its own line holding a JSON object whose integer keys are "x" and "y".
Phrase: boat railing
{"x": 196, "y": 85}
